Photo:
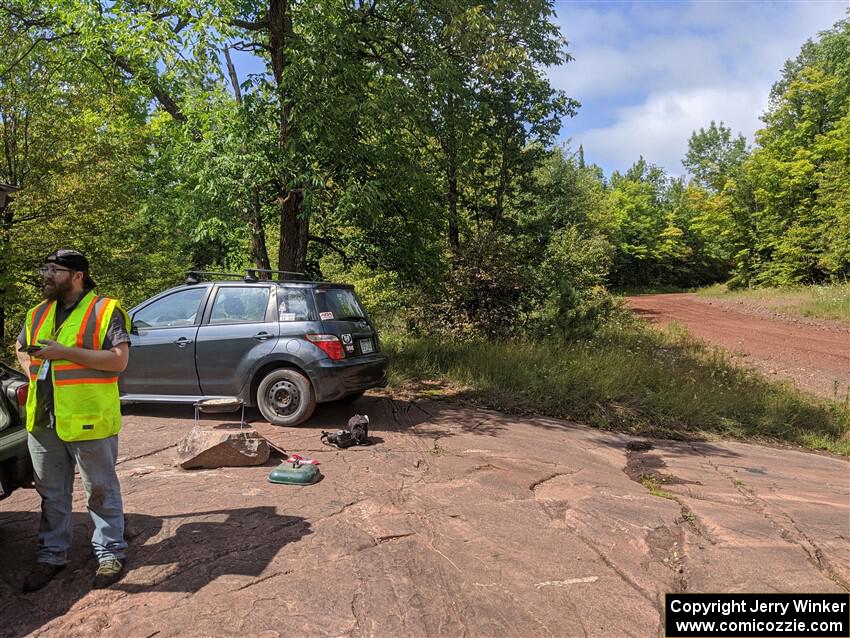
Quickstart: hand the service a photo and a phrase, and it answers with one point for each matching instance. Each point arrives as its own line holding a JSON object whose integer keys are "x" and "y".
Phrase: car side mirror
{"x": 134, "y": 328}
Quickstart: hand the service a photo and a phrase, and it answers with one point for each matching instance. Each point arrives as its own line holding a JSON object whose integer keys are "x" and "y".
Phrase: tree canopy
{"x": 407, "y": 146}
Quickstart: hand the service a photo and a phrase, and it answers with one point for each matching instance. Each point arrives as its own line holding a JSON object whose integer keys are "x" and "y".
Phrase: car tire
{"x": 286, "y": 397}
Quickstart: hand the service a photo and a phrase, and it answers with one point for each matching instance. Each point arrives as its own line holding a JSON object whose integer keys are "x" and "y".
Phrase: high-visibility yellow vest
{"x": 85, "y": 401}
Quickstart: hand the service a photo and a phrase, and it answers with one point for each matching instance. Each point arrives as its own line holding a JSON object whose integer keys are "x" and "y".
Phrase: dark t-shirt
{"x": 116, "y": 333}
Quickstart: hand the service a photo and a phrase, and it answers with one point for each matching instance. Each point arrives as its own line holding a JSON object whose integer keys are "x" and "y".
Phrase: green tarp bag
{"x": 295, "y": 472}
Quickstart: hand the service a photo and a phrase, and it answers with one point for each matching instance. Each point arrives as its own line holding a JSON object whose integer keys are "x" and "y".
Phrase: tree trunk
{"x": 5, "y": 241}
{"x": 294, "y": 224}
{"x": 502, "y": 188}
{"x": 259, "y": 253}
{"x": 454, "y": 233}
{"x": 294, "y": 229}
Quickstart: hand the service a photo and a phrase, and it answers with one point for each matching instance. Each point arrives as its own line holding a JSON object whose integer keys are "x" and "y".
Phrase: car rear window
{"x": 341, "y": 303}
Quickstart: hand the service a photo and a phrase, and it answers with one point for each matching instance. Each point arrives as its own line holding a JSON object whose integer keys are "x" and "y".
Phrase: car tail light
{"x": 21, "y": 392}
{"x": 329, "y": 343}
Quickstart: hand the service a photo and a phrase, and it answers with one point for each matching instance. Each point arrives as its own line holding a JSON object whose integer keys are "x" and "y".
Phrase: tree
{"x": 377, "y": 133}
{"x": 76, "y": 153}
{"x": 797, "y": 163}
{"x": 714, "y": 156}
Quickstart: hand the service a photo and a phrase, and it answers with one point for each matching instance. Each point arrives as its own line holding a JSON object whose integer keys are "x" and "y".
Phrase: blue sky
{"x": 650, "y": 73}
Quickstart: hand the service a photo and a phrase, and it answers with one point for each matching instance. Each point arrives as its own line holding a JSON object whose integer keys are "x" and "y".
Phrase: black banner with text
{"x": 757, "y": 615}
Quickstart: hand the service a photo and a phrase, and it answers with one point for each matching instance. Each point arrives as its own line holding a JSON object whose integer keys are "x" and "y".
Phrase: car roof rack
{"x": 251, "y": 275}
{"x": 197, "y": 276}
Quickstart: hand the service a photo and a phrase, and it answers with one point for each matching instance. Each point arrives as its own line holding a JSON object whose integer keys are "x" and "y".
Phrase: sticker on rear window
{"x": 287, "y": 316}
{"x": 324, "y": 316}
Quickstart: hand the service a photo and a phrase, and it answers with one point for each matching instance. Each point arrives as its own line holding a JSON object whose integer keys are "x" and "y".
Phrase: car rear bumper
{"x": 15, "y": 464}
{"x": 335, "y": 379}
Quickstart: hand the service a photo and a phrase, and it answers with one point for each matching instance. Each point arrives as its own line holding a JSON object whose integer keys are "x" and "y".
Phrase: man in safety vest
{"x": 73, "y": 346}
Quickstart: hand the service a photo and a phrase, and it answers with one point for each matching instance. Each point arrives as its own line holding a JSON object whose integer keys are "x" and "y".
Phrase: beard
{"x": 53, "y": 291}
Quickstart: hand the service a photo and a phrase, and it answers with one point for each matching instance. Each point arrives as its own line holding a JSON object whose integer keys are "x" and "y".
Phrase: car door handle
{"x": 182, "y": 342}
{"x": 262, "y": 336}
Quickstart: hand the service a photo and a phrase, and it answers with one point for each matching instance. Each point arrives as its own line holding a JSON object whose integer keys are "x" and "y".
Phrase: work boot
{"x": 109, "y": 571}
{"x": 40, "y": 575}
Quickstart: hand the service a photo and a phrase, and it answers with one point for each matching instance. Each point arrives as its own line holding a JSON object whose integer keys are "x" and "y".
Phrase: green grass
{"x": 629, "y": 378}
{"x": 822, "y": 302}
{"x": 688, "y": 516}
{"x": 653, "y": 484}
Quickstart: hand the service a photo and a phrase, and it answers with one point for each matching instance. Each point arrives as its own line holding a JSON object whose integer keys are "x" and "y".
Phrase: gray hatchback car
{"x": 281, "y": 346}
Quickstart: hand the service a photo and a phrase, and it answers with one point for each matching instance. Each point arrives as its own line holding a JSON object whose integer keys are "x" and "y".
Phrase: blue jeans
{"x": 53, "y": 463}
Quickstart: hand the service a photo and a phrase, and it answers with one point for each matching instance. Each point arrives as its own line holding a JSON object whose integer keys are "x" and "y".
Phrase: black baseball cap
{"x": 73, "y": 259}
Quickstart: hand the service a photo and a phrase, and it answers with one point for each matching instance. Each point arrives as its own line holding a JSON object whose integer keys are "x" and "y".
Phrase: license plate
{"x": 366, "y": 346}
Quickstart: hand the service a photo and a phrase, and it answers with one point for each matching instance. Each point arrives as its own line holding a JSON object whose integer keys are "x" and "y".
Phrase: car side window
{"x": 177, "y": 309}
{"x": 292, "y": 304}
{"x": 236, "y": 304}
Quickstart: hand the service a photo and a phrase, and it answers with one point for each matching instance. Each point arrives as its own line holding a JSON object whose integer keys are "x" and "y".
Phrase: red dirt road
{"x": 815, "y": 355}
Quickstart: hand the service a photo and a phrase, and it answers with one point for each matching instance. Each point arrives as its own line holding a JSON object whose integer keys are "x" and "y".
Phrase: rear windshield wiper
{"x": 351, "y": 318}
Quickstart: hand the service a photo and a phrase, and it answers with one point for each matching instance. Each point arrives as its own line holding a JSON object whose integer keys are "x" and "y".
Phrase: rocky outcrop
{"x": 212, "y": 447}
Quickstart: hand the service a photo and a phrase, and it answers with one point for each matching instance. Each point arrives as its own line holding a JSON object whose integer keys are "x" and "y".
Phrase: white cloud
{"x": 648, "y": 47}
{"x": 660, "y": 127}
{"x": 658, "y": 71}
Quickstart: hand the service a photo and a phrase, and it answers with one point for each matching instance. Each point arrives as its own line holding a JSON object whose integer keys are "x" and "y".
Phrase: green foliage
{"x": 404, "y": 146}
{"x": 776, "y": 216}
{"x": 654, "y": 484}
{"x": 794, "y": 192}
{"x": 78, "y": 156}
{"x": 714, "y": 156}
{"x": 665, "y": 232}
{"x": 373, "y": 128}
{"x": 570, "y": 284}
{"x": 386, "y": 296}
{"x": 483, "y": 295}
{"x": 821, "y": 301}
{"x": 626, "y": 378}
{"x": 561, "y": 192}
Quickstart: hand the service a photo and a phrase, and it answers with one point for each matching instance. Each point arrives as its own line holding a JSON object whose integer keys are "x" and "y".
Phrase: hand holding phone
{"x": 33, "y": 348}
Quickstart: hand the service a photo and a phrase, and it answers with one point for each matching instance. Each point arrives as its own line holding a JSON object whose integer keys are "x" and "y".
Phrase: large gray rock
{"x": 211, "y": 447}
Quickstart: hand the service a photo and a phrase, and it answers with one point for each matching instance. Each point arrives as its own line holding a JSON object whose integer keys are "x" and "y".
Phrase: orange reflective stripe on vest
{"x": 74, "y": 373}
{"x": 98, "y": 332}
{"x": 89, "y": 335}
{"x": 39, "y": 314}
{"x": 89, "y": 317}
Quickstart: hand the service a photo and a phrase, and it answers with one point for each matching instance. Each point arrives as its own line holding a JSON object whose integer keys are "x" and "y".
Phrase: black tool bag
{"x": 356, "y": 433}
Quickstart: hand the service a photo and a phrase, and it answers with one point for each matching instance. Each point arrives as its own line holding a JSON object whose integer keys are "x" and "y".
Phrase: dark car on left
{"x": 15, "y": 464}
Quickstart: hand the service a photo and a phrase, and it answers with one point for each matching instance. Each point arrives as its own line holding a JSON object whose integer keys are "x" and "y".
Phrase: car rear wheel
{"x": 285, "y": 397}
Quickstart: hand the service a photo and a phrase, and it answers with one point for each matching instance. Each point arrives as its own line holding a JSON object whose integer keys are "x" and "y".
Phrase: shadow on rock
{"x": 176, "y": 553}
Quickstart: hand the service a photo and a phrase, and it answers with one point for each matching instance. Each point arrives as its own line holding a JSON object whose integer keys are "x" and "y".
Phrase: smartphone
{"x": 33, "y": 348}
